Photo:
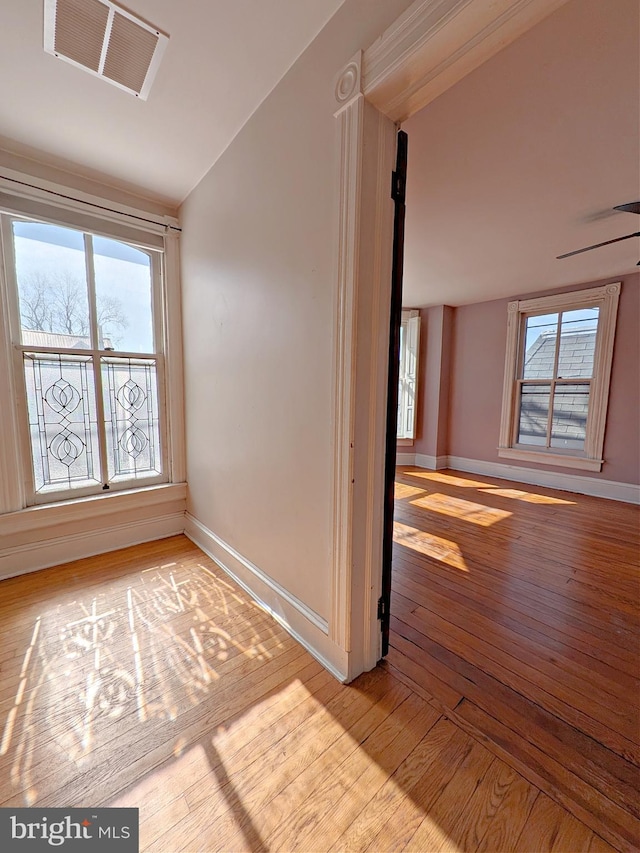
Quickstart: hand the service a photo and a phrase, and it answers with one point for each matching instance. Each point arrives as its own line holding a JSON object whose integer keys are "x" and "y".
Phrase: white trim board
{"x": 22, "y": 559}
{"x": 31, "y": 186}
{"x": 299, "y": 620}
{"x": 593, "y": 486}
{"x": 407, "y": 459}
{"x": 433, "y": 463}
{"x": 34, "y": 520}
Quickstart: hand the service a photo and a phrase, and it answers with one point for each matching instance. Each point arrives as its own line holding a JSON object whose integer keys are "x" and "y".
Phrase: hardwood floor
{"x": 147, "y": 678}
{"x": 516, "y": 607}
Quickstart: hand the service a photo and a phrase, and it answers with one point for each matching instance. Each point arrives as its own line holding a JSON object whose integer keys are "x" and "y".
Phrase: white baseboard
{"x": 20, "y": 559}
{"x": 405, "y": 458}
{"x": 627, "y": 492}
{"x": 433, "y": 463}
{"x": 306, "y": 626}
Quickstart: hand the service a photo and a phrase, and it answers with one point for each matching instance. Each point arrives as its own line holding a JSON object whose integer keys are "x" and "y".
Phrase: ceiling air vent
{"x": 106, "y": 40}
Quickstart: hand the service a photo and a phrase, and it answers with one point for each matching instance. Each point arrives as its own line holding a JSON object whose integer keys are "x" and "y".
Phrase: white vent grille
{"x": 106, "y": 40}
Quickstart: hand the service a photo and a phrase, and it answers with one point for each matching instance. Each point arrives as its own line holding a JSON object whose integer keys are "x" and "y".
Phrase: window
{"x": 556, "y": 386}
{"x": 408, "y": 376}
{"x": 85, "y": 317}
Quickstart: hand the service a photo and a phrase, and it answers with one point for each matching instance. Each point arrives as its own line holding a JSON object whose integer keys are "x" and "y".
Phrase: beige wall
{"x": 259, "y": 295}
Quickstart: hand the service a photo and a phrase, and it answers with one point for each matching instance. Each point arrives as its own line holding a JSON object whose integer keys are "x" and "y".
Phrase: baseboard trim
{"x": 299, "y": 620}
{"x": 33, "y": 556}
{"x": 405, "y": 458}
{"x": 594, "y": 486}
{"x": 433, "y": 463}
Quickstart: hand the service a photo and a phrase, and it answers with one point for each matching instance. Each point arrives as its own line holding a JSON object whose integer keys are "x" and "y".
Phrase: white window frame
{"x": 16, "y": 473}
{"x": 408, "y": 375}
{"x": 590, "y": 459}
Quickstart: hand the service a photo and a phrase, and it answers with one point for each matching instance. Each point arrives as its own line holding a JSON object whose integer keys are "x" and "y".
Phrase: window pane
{"x": 534, "y": 414}
{"x": 62, "y": 421}
{"x": 401, "y": 407}
{"x": 52, "y": 285}
{"x": 569, "y": 422}
{"x": 540, "y": 346}
{"x": 123, "y": 296}
{"x": 577, "y": 343}
{"x": 131, "y": 418}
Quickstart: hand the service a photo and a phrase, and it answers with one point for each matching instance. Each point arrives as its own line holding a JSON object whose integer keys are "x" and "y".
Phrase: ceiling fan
{"x": 630, "y": 207}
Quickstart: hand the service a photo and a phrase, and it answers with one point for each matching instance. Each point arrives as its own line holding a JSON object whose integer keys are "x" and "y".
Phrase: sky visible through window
{"x": 52, "y": 285}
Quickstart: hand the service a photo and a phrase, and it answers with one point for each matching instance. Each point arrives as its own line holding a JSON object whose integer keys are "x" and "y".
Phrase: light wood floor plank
{"x": 192, "y": 705}
{"x": 524, "y": 601}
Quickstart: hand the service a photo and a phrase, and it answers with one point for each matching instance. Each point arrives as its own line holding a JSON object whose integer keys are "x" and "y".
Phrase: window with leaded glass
{"x": 85, "y": 318}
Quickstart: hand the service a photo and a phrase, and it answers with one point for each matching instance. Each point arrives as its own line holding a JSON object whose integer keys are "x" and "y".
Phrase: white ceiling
{"x": 524, "y": 160}
{"x": 222, "y": 60}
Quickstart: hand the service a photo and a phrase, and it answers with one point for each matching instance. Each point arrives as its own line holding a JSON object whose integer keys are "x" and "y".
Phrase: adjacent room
{"x": 195, "y": 297}
{"x": 516, "y": 538}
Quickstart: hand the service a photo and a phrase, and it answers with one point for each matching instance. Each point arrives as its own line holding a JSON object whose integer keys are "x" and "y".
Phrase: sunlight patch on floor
{"x": 145, "y": 653}
{"x": 211, "y": 789}
{"x": 404, "y": 491}
{"x": 480, "y": 514}
{"x": 448, "y": 479}
{"x": 529, "y": 497}
{"x": 433, "y": 546}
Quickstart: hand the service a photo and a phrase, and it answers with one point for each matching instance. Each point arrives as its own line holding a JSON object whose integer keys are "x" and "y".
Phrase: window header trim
{"x": 26, "y": 208}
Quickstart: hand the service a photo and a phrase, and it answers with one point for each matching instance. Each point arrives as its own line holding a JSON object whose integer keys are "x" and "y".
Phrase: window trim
{"x": 151, "y": 237}
{"x": 606, "y": 299}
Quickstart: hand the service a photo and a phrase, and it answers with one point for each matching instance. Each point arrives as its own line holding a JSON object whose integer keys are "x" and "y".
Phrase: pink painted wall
{"x": 477, "y": 369}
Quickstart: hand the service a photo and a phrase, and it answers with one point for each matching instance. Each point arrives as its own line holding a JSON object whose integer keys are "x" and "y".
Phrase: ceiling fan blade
{"x": 630, "y": 207}
{"x": 597, "y": 245}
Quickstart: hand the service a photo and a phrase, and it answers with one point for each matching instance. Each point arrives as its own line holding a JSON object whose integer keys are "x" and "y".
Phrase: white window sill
{"x": 404, "y": 442}
{"x": 35, "y": 518}
{"x": 542, "y": 458}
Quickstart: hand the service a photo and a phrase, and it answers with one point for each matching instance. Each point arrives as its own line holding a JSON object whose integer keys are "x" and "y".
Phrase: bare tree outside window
{"x": 91, "y": 380}
{"x": 57, "y": 303}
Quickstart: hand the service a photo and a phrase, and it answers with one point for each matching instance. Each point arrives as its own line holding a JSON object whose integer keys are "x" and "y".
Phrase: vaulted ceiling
{"x": 222, "y": 60}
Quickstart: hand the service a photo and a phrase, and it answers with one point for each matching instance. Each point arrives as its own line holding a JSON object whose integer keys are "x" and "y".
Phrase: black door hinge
{"x": 382, "y": 610}
{"x": 398, "y": 186}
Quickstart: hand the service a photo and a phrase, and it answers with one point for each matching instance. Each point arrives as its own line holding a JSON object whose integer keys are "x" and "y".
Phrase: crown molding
{"x": 435, "y": 43}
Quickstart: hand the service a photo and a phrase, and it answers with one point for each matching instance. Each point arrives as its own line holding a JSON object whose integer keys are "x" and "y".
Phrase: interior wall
{"x": 258, "y": 278}
{"x": 524, "y": 159}
{"x": 477, "y": 371}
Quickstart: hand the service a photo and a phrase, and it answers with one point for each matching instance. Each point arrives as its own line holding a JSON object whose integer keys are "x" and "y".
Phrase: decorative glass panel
{"x": 534, "y": 414}
{"x": 62, "y": 421}
{"x": 577, "y": 343}
{"x": 540, "y": 346}
{"x": 130, "y": 389}
{"x": 123, "y": 296}
{"x": 569, "y": 422}
{"x": 52, "y": 286}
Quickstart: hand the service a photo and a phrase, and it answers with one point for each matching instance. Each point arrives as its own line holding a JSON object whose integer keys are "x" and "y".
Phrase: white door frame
{"x": 424, "y": 52}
